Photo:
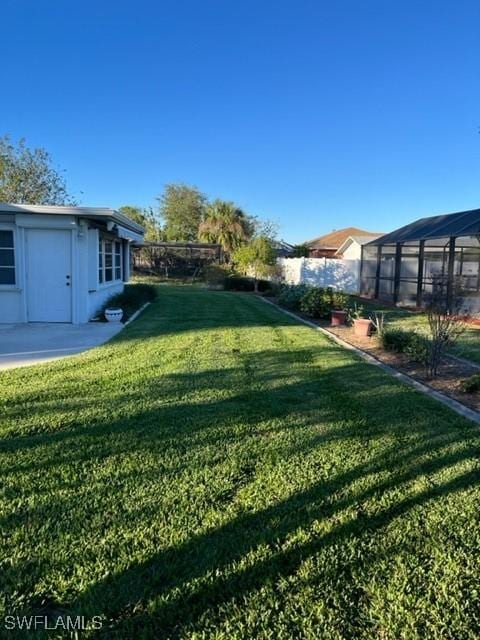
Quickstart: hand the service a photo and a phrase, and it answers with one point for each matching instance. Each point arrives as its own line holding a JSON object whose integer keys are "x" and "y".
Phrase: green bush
{"x": 315, "y": 303}
{"x": 269, "y": 291}
{"x": 418, "y": 347}
{"x": 471, "y": 384}
{"x": 265, "y": 286}
{"x": 244, "y": 283}
{"x": 338, "y": 299}
{"x": 130, "y": 300}
{"x": 319, "y": 302}
{"x": 239, "y": 283}
{"x": 414, "y": 345}
{"x": 215, "y": 274}
{"x": 290, "y": 295}
{"x": 395, "y": 340}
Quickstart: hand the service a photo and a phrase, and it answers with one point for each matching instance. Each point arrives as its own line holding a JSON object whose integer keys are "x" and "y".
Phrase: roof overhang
{"x": 124, "y": 224}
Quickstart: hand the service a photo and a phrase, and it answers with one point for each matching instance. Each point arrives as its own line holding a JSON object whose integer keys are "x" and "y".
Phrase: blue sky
{"x": 318, "y": 115}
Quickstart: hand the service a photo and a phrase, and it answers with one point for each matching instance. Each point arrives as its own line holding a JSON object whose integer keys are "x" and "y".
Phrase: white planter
{"x": 114, "y": 314}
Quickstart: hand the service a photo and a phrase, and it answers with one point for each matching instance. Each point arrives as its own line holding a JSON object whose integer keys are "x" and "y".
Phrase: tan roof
{"x": 336, "y": 238}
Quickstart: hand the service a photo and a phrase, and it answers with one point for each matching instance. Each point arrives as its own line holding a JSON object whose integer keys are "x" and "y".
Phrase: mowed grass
{"x": 219, "y": 471}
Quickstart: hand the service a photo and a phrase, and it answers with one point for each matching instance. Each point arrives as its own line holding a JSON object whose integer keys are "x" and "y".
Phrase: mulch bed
{"x": 451, "y": 372}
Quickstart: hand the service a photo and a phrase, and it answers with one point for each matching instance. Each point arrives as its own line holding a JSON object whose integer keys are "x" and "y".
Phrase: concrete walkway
{"x": 25, "y": 344}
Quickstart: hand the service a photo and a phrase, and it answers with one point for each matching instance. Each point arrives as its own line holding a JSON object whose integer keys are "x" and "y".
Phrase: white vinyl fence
{"x": 343, "y": 275}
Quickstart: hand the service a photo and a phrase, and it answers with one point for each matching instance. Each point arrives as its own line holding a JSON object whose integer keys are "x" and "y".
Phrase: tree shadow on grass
{"x": 294, "y": 403}
{"x": 205, "y": 572}
{"x": 200, "y": 576}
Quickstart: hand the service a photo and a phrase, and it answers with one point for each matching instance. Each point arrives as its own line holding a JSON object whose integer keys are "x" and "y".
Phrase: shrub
{"x": 269, "y": 288}
{"x": 244, "y": 283}
{"x": 316, "y": 303}
{"x": 319, "y": 302}
{"x": 266, "y": 286}
{"x": 239, "y": 283}
{"x": 131, "y": 299}
{"x": 471, "y": 384}
{"x": 290, "y": 295}
{"x": 414, "y": 345}
{"x": 418, "y": 348}
{"x": 215, "y": 274}
{"x": 396, "y": 340}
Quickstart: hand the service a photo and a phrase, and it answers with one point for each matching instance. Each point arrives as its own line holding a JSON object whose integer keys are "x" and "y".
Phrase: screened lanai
{"x": 437, "y": 255}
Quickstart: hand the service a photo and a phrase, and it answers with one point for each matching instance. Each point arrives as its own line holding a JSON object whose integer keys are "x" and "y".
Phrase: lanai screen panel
{"x": 387, "y": 273}
{"x": 408, "y": 276}
{"x": 412, "y": 264}
{"x": 369, "y": 270}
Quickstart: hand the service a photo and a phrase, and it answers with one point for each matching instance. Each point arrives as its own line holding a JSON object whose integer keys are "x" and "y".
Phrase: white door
{"x": 49, "y": 275}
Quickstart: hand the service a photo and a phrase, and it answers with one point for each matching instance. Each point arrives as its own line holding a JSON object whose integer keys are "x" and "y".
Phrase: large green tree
{"x": 27, "y": 176}
{"x": 225, "y": 224}
{"x": 182, "y": 208}
{"x": 148, "y": 219}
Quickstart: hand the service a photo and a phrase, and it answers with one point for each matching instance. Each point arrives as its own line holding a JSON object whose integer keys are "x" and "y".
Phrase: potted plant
{"x": 339, "y": 317}
{"x": 113, "y": 314}
{"x": 361, "y": 326}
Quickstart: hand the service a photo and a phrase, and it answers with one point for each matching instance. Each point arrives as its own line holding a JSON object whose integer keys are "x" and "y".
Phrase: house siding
{"x": 87, "y": 295}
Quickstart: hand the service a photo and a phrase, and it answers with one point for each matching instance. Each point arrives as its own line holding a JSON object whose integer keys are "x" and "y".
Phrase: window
{"x": 109, "y": 260}
{"x": 7, "y": 257}
{"x": 108, "y": 255}
{"x": 100, "y": 261}
{"x": 118, "y": 261}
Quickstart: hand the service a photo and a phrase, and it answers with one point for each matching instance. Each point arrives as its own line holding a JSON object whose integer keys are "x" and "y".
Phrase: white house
{"x": 60, "y": 264}
{"x": 351, "y": 248}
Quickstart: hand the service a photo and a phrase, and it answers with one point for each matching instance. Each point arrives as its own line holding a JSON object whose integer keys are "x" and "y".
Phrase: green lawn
{"x": 219, "y": 471}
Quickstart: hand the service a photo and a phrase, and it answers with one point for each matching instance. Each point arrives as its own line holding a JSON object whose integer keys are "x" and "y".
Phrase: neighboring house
{"x": 328, "y": 245}
{"x": 351, "y": 249}
{"x": 436, "y": 256}
{"x": 284, "y": 249}
{"x": 60, "y": 264}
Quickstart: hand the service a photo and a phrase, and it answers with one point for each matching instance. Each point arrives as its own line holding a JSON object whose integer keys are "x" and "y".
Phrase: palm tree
{"x": 227, "y": 225}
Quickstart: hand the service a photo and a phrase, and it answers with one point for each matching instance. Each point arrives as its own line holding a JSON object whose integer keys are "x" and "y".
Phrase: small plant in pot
{"x": 339, "y": 303}
{"x": 113, "y": 314}
{"x": 361, "y": 326}
{"x": 339, "y": 317}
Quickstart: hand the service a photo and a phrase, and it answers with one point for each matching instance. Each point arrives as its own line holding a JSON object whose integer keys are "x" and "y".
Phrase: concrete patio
{"x": 26, "y": 344}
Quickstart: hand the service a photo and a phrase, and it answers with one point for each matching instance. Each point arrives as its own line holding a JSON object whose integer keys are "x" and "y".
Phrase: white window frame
{"x": 14, "y": 267}
{"x": 102, "y": 260}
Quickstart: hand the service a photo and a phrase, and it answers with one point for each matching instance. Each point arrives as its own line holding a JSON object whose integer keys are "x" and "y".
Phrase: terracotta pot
{"x": 338, "y": 318}
{"x": 362, "y": 327}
